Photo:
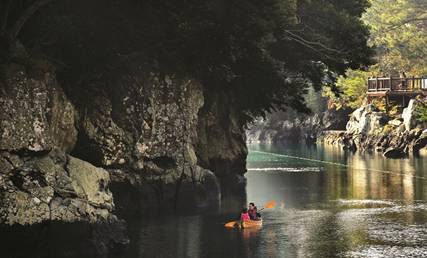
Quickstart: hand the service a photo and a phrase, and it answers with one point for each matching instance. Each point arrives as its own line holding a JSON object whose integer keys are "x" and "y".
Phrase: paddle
{"x": 269, "y": 205}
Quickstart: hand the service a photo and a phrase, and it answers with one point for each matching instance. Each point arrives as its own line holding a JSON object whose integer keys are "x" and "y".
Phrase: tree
{"x": 351, "y": 88}
{"x": 263, "y": 54}
{"x": 399, "y": 32}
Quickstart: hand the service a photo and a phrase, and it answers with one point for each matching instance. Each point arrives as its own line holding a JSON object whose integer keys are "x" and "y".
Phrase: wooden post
{"x": 376, "y": 84}
{"x": 413, "y": 83}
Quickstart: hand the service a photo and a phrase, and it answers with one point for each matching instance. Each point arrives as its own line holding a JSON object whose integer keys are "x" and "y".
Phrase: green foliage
{"x": 351, "y": 88}
{"x": 420, "y": 112}
{"x": 399, "y": 31}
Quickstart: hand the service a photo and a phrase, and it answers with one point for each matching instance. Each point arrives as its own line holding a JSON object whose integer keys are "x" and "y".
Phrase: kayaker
{"x": 253, "y": 212}
{"x": 244, "y": 216}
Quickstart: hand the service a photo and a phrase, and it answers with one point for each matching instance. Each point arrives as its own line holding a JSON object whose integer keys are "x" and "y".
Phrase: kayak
{"x": 252, "y": 223}
{"x": 245, "y": 224}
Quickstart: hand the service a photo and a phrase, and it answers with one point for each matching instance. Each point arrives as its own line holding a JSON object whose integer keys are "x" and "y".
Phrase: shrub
{"x": 420, "y": 112}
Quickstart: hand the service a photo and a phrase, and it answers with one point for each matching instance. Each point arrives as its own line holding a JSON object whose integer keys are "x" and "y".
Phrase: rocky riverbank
{"x": 369, "y": 129}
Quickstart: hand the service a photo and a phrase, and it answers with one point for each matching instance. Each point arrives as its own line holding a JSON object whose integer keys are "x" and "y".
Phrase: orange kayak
{"x": 245, "y": 224}
{"x": 252, "y": 223}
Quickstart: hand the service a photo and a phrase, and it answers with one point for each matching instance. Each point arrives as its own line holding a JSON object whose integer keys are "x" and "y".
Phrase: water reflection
{"x": 344, "y": 176}
{"x": 347, "y": 205}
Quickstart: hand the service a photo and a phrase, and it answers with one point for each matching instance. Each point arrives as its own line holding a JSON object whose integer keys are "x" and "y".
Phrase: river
{"x": 330, "y": 203}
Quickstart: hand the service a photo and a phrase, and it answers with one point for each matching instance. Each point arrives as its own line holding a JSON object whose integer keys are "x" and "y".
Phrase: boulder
{"x": 365, "y": 121}
{"x": 420, "y": 143}
{"x": 395, "y": 122}
{"x": 55, "y": 187}
{"x": 394, "y": 153}
{"x": 90, "y": 183}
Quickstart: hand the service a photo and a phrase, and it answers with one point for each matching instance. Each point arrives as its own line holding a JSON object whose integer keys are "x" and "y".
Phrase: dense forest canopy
{"x": 263, "y": 53}
{"x": 399, "y": 35}
{"x": 399, "y": 31}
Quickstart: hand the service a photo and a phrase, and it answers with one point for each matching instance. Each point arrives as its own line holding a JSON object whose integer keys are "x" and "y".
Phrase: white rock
{"x": 36, "y": 200}
{"x": 408, "y": 115}
{"x": 395, "y": 122}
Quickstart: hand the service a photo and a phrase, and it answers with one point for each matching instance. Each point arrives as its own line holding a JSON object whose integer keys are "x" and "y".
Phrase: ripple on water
{"x": 398, "y": 234}
{"x": 392, "y": 229}
{"x": 386, "y": 251}
{"x": 287, "y": 169}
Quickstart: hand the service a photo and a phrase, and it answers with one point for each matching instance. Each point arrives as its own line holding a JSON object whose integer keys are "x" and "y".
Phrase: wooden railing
{"x": 396, "y": 84}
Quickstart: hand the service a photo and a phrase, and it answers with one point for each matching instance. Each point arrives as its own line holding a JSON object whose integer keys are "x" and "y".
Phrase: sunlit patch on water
{"x": 382, "y": 228}
{"x": 386, "y": 251}
{"x": 338, "y": 204}
{"x": 398, "y": 234}
{"x": 394, "y": 230}
{"x": 287, "y": 169}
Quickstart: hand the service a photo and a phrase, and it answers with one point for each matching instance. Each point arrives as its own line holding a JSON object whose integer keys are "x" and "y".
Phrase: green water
{"x": 330, "y": 203}
{"x": 338, "y": 204}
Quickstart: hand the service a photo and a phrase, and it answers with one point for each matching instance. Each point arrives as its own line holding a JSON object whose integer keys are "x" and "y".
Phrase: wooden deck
{"x": 399, "y": 90}
{"x": 389, "y": 86}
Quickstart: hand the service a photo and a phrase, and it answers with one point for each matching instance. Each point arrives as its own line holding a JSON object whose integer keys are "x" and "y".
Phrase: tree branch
{"x": 34, "y": 7}
{"x": 315, "y": 43}
{"x": 406, "y": 21}
{"x": 5, "y": 17}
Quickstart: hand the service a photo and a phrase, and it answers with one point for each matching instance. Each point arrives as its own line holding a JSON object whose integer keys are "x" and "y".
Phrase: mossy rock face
{"x": 139, "y": 117}
{"x": 35, "y": 114}
{"x": 53, "y": 188}
{"x": 37, "y": 128}
{"x": 156, "y": 129}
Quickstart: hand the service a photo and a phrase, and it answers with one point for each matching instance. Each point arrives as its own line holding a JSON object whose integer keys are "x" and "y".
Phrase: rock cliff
{"x": 150, "y": 138}
{"x": 38, "y": 180}
{"x": 369, "y": 129}
{"x": 294, "y": 127}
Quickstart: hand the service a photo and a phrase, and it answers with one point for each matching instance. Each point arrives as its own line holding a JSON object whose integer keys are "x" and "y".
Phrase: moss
{"x": 388, "y": 129}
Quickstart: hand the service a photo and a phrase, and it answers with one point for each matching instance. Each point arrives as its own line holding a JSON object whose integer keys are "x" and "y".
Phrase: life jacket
{"x": 245, "y": 217}
{"x": 253, "y": 213}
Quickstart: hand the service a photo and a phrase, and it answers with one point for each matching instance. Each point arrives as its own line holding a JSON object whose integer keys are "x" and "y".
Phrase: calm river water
{"x": 329, "y": 204}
